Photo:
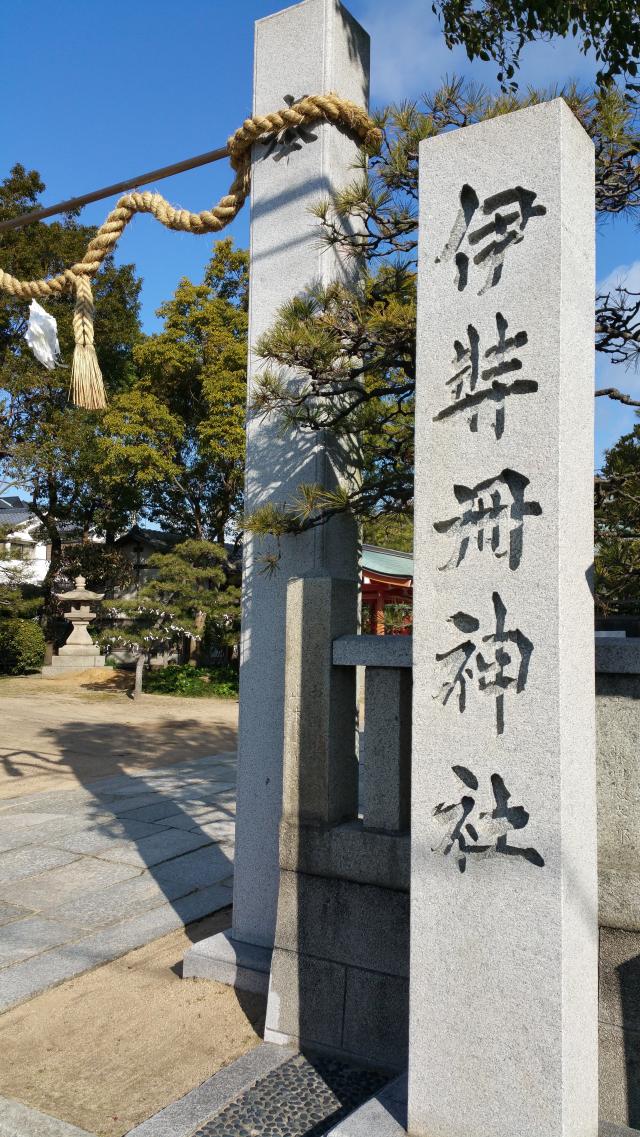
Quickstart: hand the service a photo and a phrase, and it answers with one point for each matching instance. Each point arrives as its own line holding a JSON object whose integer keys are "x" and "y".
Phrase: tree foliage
{"x": 104, "y": 567}
{"x": 178, "y": 432}
{"x": 617, "y": 517}
{"x": 22, "y": 647}
{"x": 499, "y": 29}
{"x": 191, "y": 594}
{"x": 47, "y": 447}
{"x": 353, "y": 347}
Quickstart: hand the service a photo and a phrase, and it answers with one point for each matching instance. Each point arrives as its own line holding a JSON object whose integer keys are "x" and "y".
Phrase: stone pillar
{"x": 340, "y": 958}
{"x": 315, "y": 46}
{"x": 387, "y": 748}
{"x": 503, "y": 1004}
{"x": 320, "y": 767}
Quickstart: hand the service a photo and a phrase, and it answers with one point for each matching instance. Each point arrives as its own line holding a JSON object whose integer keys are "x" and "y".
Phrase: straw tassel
{"x": 87, "y": 388}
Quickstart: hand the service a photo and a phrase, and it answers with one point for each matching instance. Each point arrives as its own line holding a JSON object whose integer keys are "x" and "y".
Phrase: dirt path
{"x": 109, "y": 1049}
{"x": 57, "y": 732}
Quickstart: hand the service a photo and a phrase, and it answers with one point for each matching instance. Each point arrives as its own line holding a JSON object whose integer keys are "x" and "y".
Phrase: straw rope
{"x": 87, "y": 388}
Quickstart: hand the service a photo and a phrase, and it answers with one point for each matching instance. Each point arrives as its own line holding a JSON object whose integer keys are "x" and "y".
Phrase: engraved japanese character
{"x": 482, "y": 834}
{"x": 477, "y": 380}
{"x": 512, "y": 209}
{"x": 483, "y": 662}
{"x": 289, "y": 139}
{"x": 492, "y": 517}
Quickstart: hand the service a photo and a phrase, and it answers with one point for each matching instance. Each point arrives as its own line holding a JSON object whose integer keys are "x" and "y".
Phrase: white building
{"x": 20, "y": 527}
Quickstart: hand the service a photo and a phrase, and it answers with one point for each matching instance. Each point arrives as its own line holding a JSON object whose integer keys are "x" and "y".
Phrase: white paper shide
{"x": 42, "y": 336}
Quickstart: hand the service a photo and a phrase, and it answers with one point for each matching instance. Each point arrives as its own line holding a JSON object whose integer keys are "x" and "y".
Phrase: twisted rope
{"x": 87, "y": 388}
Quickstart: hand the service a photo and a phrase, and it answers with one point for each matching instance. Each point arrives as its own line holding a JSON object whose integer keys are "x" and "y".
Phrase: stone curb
{"x": 183, "y": 1117}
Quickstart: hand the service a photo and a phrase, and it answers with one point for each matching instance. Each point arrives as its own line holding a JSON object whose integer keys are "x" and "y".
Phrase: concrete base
{"x": 243, "y": 966}
{"x": 385, "y": 1115}
{"x": 63, "y": 664}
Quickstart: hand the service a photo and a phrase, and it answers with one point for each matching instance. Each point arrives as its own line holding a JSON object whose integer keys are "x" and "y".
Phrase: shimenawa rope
{"x": 87, "y": 388}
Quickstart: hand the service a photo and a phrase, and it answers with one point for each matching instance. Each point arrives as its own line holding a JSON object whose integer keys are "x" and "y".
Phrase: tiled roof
{"x": 390, "y": 562}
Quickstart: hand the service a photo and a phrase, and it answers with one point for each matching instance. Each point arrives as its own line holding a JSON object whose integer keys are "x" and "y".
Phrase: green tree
{"x": 48, "y": 447}
{"x": 192, "y": 593}
{"x": 499, "y": 29}
{"x": 104, "y": 568}
{"x": 390, "y": 530}
{"x": 179, "y": 430}
{"x": 353, "y": 348}
{"x": 617, "y": 528}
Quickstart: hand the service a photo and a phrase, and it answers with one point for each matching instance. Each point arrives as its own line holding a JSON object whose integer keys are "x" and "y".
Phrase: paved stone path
{"x": 304, "y": 1097}
{"x": 88, "y": 874}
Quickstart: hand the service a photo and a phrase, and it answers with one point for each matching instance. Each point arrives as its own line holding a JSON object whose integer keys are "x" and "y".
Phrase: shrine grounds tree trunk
{"x": 137, "y": 686}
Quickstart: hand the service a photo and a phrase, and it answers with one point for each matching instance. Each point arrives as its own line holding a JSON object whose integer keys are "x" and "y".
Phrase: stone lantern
{"x": 79, "y": 651}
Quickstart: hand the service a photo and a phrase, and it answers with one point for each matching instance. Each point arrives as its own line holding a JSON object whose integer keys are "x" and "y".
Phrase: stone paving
{"x": 88, "y": 874}
{"x": 304, "y": 1097}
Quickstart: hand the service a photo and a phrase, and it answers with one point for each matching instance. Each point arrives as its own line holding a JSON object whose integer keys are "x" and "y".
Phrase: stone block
{"x": 24, "y": 938}
{"x": 387, "y": 748}
{"x": 30, "y": 861}
{"x": 24, "y": 980}
{"x": 619, "y": 1075}
{"x": 105, "y": 836}
{"x": 346, "y": 852}
{"x": 306, "y": 1000}
{"x": 619, "y": 894}
{"x": 376, "y": 1018}
{"x": 18, "y": 1120}
{"x": 191, "y": 820}
{"x": 183, "y": 1117}
{"x": 320, "y": 774}
{"x": 225, "y": 960}
{"x": 18, "y": 840}
{"x": 619, "y": 999}
{"x": 618, "y": 656}
{"x": 199, "y": 869}
{"x": 384, "y": 1115}
{"x": 61, "y": 884}
{"x": 10, "y": 912}
{"x": 148, "y": 851}
{"x": 147, "y": 806}
{"x": 218, "y": 830}
{"x": 348, "y": 923}
{"x": 107, "y": 905}
{"x": 12, "y": 820}
{"x": 373, "y": 651}
{"x": 618, "y": 733}
{"x": 610, "y": 1129}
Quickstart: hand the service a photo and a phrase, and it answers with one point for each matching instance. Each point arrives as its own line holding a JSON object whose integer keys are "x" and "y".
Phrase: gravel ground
{"x": 57, "y": 733}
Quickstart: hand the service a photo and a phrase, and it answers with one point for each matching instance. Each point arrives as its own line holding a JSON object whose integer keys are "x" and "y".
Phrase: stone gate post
{"x": 315, "y": 46}
{"x": 503, "y": 988}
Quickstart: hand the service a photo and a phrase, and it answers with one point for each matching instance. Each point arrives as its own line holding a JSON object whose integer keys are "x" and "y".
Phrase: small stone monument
{"x": 79, "y": 651}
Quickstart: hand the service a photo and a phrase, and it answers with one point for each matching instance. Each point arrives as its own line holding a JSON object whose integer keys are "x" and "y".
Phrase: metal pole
{"x": 109, "y": 191}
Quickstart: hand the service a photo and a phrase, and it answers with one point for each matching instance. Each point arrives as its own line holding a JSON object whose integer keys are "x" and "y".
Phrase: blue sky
{"x": 93, "y": 91}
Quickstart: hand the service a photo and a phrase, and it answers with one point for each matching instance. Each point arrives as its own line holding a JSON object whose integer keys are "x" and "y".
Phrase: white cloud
{"x": 622, "y": 276}
{"x": 409, "y": 56}
{"x": 408, "y": 53}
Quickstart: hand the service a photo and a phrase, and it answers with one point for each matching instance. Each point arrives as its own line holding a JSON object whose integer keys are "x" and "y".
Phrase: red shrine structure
{"x": 387, "y": 591}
